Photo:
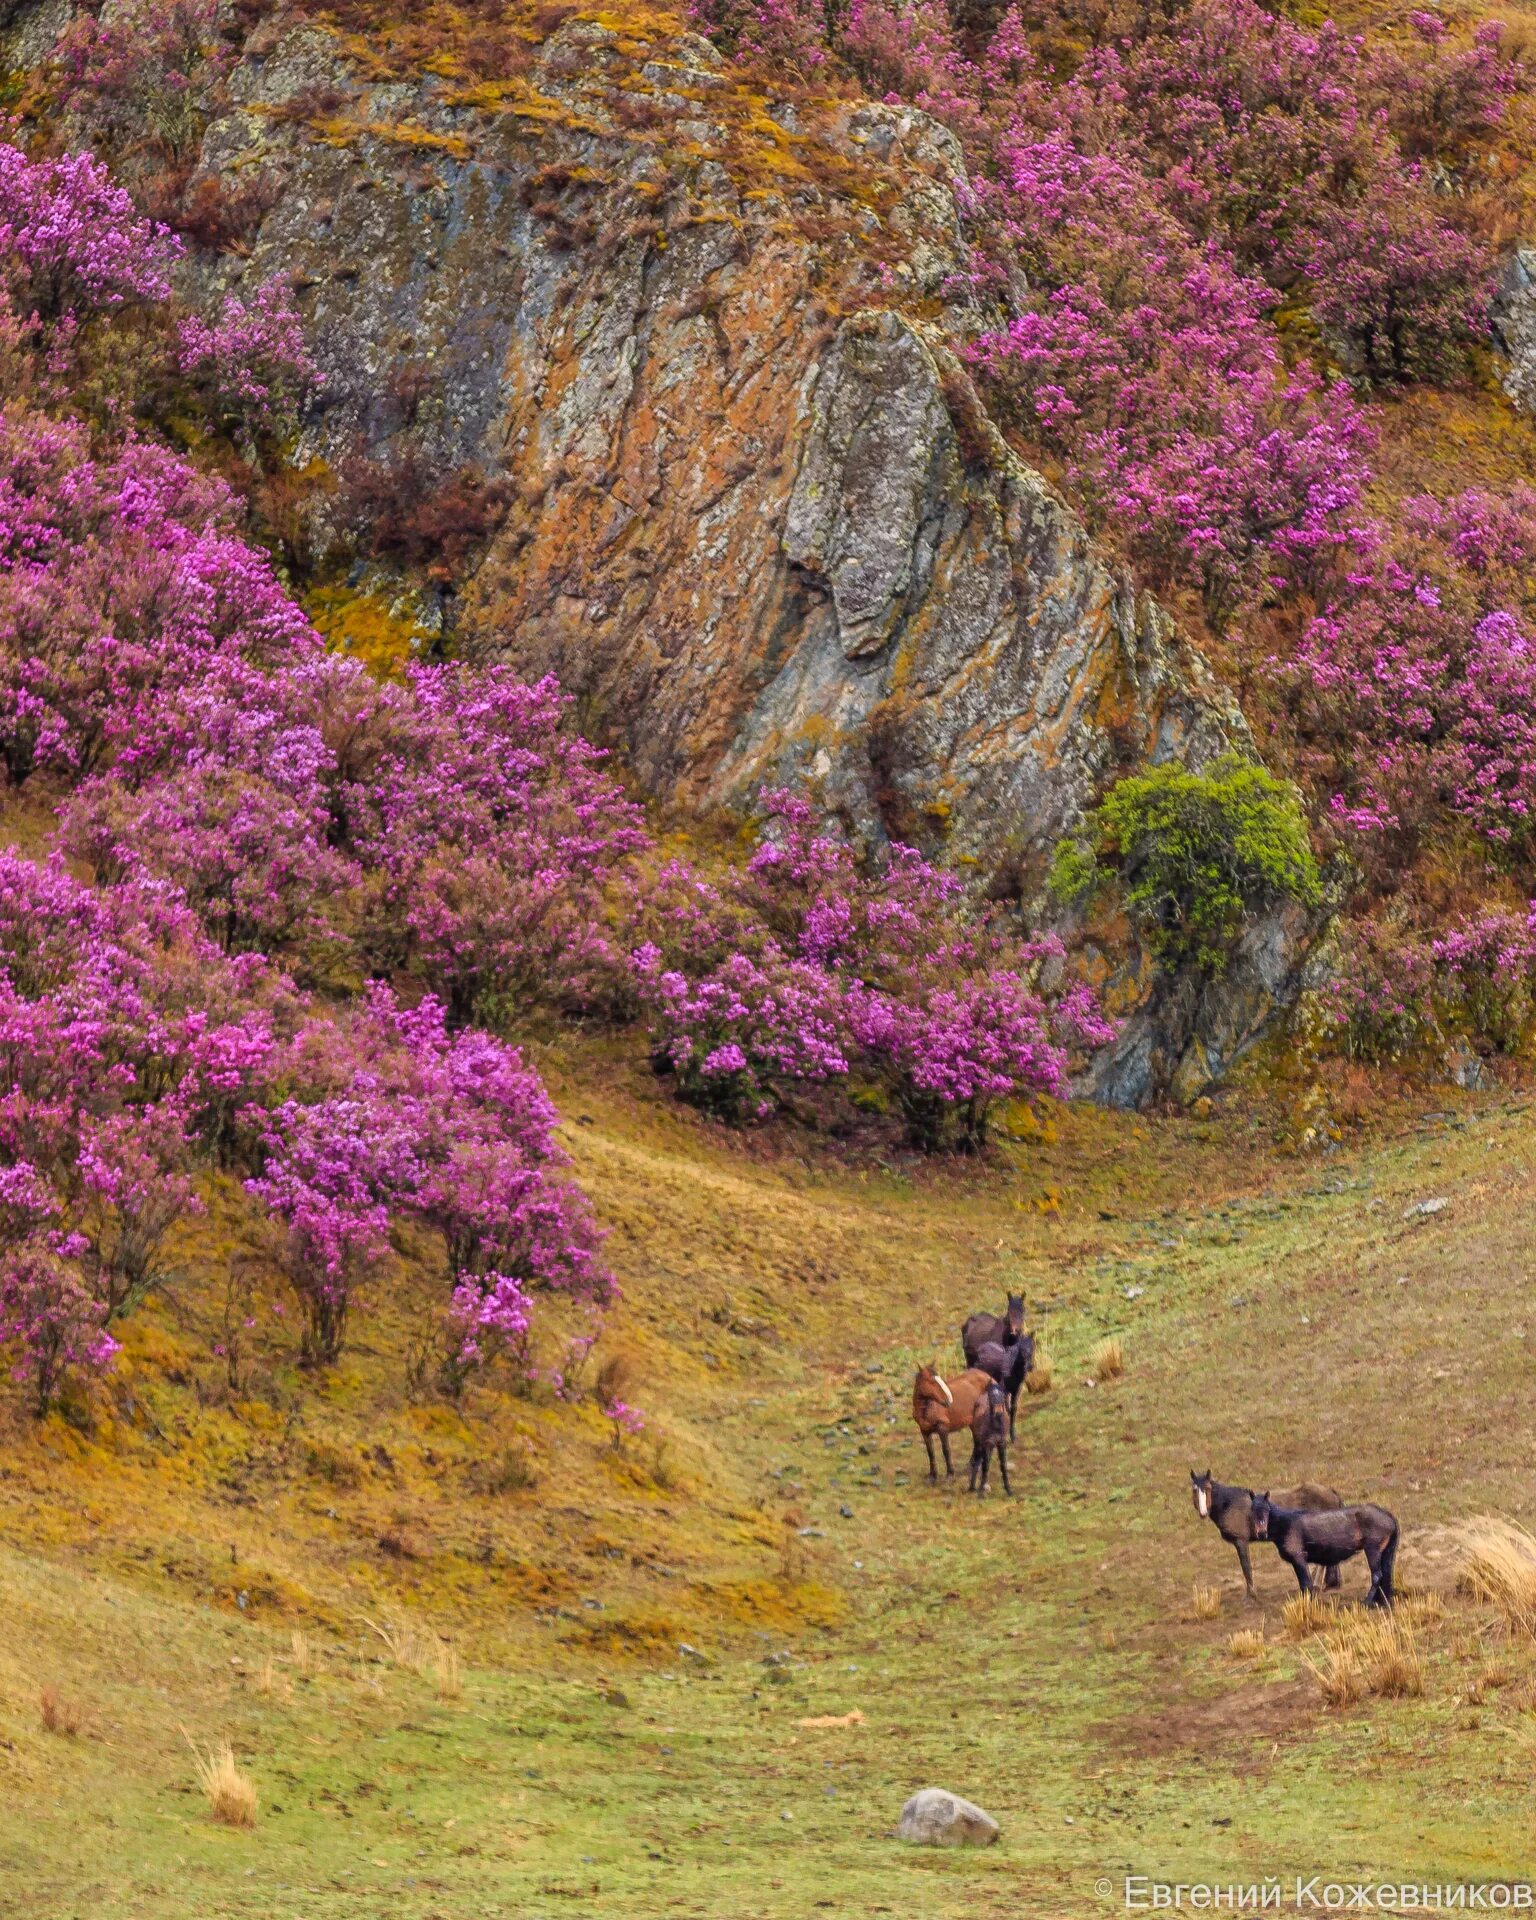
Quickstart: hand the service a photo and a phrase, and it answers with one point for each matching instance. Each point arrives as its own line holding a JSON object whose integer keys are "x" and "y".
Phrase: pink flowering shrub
{"x": 253, "y": 361}
{"x": 810, "y": 968}
{"x": 73, "y": 243}
{"x": 50, "y": 1322}
{"x": 781, "y": 34}
{"x": 138, "y": 75}
{"x": 1413, "y": 692}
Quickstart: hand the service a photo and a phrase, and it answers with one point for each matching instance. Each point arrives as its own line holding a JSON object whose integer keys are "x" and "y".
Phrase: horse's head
{"x": 1259, "y": 1513}
{"x": 1201, "y": 1485}
{"x": 930, "y": 1384}
{"x": 1015, "y": 1316}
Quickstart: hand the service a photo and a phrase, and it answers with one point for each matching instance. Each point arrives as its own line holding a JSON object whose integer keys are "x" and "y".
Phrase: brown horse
{"x": 1328, "y": 1539}
{"x": 1230, "y": 1510}
{"x": 943, "y": 1407}
{"x": 1004, "y": 1328}
{"x": 989, "y": 1435}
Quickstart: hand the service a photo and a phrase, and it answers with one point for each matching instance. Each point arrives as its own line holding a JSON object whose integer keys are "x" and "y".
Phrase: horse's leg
{"x": 1013, "y": 1415}
{"x": 1247, "y": 1567}
{"x": 971, "y": 1477}
{"x": 1002, "y": 1461}
{"x": 933, "y": 1465}
{"x": 949, "y": 1465}
{"x": 984, "y": 1455}
{"x": 1332, "y": 1578}
{"x": 1299, "y": 1568}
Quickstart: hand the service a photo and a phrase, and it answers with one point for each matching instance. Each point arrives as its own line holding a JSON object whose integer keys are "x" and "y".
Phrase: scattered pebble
{"x": 1423, "y": 1209}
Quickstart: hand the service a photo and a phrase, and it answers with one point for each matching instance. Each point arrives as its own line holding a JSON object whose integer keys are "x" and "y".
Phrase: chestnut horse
{"x": 943, "y": 1407}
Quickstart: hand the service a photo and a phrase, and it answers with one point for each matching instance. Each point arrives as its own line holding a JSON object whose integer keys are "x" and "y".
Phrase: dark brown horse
{"x": 1010, "y": 1365}
{"x": 1004, "y": 1328}
{"x": 989, "y": 1435}
{"x": 1230, "y": 1509}
{"x": 1329, "y": 1539}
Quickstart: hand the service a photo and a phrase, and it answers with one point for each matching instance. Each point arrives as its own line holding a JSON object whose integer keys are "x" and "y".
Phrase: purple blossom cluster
{"x": 811, "y": 969}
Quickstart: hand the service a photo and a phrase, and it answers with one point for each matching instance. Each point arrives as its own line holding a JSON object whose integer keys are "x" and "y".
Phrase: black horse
{"x": 1004, "y": 1328}
{"x": 989, "y": 1435}
{"x": 1230, "y": 1509}
{"x": 1010, "y": 1365}
{"x": 1328, "y": 1539}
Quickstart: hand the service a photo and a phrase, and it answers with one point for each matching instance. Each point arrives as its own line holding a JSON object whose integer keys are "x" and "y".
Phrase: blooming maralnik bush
{"x": 72, "y": 241}
{"x": 810, "y": 968}
{"x": 253, "y": 360}
{"x": 1414, "y": 693}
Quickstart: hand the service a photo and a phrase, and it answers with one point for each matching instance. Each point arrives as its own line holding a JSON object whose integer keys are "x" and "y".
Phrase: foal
{"x": 1010, "y": 1365}
{"x": 989, "y": 1435}
{"x": 1329, "y": 1539}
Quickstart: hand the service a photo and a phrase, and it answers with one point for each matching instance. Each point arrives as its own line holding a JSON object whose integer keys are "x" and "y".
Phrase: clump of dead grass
{"x": 1496, "y": 1563}
{"x": 58, "y": 1714}
{"x": 1041, "y": 1375}
{"x": 450, "y": 1680}
{"x": 1109, "y": 1359}
{"x": 1247, "y": 1643}
{"x": 408, "y": 1647}
{"x": 1369, "y": 1651}
{"x": 230, "y": 1795}
{"x": 1307, "y": 1613}
{"x": 1206, "y": 1601}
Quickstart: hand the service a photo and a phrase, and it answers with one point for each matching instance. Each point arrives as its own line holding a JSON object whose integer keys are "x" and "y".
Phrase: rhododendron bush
{"x": 811, "y": 969}
{"x": 304, "y": 907}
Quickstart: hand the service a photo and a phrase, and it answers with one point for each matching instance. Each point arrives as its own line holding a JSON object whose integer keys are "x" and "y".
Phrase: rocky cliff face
{"x": 733, "y": 489}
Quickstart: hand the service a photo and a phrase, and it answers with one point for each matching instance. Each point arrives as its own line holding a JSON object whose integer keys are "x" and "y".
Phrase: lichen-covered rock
{"x": 934, "y": 1818}
{"x": 729, "y": 481}
{"x": 1514, "y": 326}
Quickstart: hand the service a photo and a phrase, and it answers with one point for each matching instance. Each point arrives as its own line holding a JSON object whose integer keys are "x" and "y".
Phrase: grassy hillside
{"x": 638, "y": 1638}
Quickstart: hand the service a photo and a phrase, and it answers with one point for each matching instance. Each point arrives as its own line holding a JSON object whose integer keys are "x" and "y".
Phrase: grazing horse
{"x": 942, "y": 1408}
{"x": 1328, "y": 1539}
{"x": 1011, "y": 1366}
{"x": 989, "y": 1435}
{"x": 1231, "y": 1511}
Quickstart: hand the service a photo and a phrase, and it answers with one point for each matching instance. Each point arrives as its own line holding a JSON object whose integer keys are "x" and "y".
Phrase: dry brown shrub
{"x": 58, "y": 1714}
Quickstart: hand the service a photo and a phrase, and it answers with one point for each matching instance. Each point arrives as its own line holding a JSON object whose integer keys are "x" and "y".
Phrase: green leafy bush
{"x": 1191, "y": 856}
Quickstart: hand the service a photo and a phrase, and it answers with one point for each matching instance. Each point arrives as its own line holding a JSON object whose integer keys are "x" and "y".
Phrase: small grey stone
{"x": 934, "y": 1818}
{"x": 1423, "y": 1209}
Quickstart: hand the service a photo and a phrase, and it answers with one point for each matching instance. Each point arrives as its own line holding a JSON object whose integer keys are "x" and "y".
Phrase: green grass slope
{"x": 640, "y": 1637}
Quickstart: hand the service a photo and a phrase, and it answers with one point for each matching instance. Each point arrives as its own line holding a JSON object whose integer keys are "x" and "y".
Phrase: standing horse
{"x": 1230, "y": 1509}
{"x": 1011, "y": 1366}
{"x": 1004, "y": 1328}
{"x": 1328, "y": 1539}
{"x": 989, "y": 1435}
{"x": 941, "y": 1408}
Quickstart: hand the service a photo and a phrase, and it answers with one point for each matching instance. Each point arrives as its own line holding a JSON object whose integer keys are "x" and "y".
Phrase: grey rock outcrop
{"x": 934, "y": 1818}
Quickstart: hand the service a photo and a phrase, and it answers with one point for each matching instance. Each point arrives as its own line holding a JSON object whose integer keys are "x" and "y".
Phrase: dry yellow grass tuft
{"x": 1043, "y": 1372}
{"x": 1248, "y": 1643}
{"x": 1369, "y": 1652}
{"x": 1205, "y": 1600}
{"x": 303, "y": 1654}
{"x": 1109, "y": 1359}
{"x": 57, "y": 1714}
{"x": 1496, "y": 1562}
{"x": 450, "y": 1681}
{"x": 230, "y": 1795}
{"x": 409, "y": 1648}
{"x": 1338, "y": 1674}
{"x": 1306, "y": 1613}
